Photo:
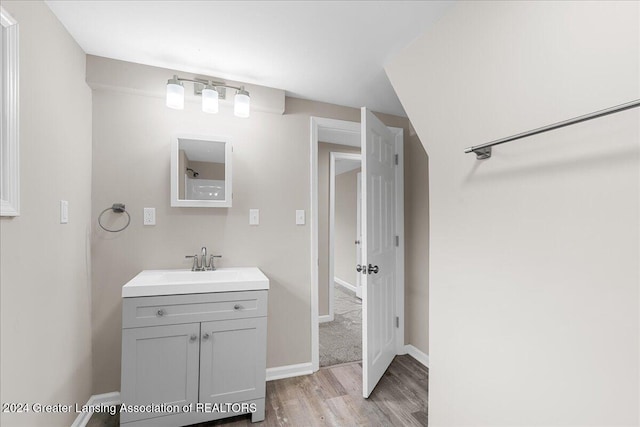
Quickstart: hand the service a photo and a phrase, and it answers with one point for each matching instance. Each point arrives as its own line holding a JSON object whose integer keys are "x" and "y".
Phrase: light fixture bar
{"x": 211, "y": 82}
{"x": 211, "y": 91}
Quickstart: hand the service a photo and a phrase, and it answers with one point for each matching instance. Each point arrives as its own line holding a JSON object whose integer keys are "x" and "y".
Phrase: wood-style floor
{"x": 333, "y": 397}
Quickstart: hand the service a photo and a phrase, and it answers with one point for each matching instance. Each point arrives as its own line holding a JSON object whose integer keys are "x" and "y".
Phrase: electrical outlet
{"x": 149, "y": 216}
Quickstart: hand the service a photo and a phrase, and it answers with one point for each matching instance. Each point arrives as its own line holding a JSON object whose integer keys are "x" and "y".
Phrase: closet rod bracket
{"x": 482, "y": 153}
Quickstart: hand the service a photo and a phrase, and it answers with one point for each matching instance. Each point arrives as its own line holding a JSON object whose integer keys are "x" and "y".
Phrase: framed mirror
{"x": 201, "y": 171}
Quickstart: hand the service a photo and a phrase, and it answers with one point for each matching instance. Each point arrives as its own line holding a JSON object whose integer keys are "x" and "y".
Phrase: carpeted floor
{"x": 341, "y": 340}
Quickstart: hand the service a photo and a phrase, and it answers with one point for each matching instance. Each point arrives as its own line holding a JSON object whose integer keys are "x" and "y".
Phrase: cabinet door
{"x": 233, "y": 360}
{"x": 159, "y": 365}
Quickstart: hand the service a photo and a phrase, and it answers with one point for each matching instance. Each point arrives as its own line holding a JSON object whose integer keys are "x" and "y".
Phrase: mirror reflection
{"x": 201, "y": 169}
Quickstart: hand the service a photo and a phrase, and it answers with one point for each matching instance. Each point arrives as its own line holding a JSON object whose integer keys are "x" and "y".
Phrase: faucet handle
{"x": 195, "y": 266}
{"x": 211, "y": 264}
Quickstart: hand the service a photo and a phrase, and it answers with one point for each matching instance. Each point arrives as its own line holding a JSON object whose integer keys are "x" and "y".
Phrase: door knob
{"x": 193, "y": 337}
{"x": 359, "y": 268}
{"x": 357, "y": 242}
{"x": 160, "y": 313}
{"x": 205, "y": 336}
{"x": 373, "y": 269}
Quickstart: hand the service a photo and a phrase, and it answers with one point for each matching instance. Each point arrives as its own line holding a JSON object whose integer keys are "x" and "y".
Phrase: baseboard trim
{"x": 325, "y": 318}
{"x": 345, "y": 284}
{"x": 112, "y": 398}
{"x": 289, "y": 371}
{"x": 417, "y": 354}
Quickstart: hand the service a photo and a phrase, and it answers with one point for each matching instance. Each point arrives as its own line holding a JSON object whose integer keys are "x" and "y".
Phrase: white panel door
{"x": 379, "y": 250}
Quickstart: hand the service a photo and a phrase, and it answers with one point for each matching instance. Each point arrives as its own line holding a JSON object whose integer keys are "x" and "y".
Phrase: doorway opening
{"x": 340, "y": 330}
{"x": 382, "y": 218}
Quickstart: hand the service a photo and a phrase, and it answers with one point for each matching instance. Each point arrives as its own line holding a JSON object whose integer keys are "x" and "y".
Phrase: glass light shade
{"x": 209, "y": 100}
{"x": 242, "y": 104}
{"x": 175, "y": 95}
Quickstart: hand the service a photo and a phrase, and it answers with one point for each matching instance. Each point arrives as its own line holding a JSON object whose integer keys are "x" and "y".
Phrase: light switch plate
{"x": 254, "y": 216}
{"x": 64, "y": 212}
{"x": 300, "y": 217}
{"x": 149, "y": 216}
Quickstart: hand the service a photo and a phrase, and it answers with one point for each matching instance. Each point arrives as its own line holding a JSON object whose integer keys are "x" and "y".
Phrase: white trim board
{"x": 112, "y": 398}
{"x": 399, "y": 134}
{"x": 417, "y": 354}
{"x": 345, "y": 284}
{"x": 325, "y": 318}
{"x": 289, "y": 371}
{"x": 10, "y": 141}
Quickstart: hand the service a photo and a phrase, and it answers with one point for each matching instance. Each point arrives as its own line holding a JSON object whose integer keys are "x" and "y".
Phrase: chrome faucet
{"x": 204, "y": 264}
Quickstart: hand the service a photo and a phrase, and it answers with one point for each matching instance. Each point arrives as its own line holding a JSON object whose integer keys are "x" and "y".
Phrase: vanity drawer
{"x": 174, "y": 309}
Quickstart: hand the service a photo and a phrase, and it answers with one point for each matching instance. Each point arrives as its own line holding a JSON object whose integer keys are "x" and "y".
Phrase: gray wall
{"x": 45, "y": 348}
{"x": 535, "y": 260}
{"x": 346, "y": 221}
{"x": 131, "y": 139}
{"x": 131, "y": 165}
{"x": 416, "y": 243}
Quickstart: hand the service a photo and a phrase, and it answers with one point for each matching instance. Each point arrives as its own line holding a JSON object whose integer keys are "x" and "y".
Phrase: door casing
{"x": 347, "y": 130}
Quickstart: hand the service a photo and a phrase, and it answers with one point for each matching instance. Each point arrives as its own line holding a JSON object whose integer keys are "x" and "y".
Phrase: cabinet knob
{"x": 237, "y": 307}
{"x": 193, "y": 337}
{"x": 205, "y": 336}
{"x": 161, "y": 313}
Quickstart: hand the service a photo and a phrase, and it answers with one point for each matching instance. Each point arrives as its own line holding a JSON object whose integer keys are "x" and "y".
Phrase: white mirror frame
{"x": 9, "y": 157}
{"x": 228, "y": 149}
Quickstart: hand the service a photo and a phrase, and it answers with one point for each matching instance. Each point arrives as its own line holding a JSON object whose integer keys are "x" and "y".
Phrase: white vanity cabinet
{"x": 204, "y": 351}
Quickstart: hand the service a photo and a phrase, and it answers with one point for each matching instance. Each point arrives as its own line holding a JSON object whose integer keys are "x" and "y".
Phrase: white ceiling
{"x": 328, "y": 51}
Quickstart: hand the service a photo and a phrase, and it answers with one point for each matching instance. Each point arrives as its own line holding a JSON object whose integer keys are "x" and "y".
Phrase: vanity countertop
{"x": 175, "y": 282}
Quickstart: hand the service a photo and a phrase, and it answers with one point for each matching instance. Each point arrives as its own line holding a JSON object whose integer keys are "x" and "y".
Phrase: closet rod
{"x": 483, "y": 151}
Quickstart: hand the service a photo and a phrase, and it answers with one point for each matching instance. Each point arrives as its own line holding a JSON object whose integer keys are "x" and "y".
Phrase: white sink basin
{"x": 173, "y": 282}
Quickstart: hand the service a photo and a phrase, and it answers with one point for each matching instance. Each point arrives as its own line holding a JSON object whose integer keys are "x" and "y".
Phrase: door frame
{"x": 343, "y": 130}
{"x": 333, "y": 157}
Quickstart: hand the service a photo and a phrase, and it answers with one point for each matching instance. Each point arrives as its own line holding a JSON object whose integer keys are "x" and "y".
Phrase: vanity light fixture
{"x": 211, "y": 91}
{"x": 175, "y": 93}
{"x": 241, "y": 103}
{"x": 210, "y": 99}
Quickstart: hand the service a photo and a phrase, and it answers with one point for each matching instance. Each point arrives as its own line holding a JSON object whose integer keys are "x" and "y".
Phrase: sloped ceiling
{"x": 321, "y": 50}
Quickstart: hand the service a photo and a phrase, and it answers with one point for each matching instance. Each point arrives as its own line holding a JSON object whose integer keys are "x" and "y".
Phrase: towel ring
{"x": 118, "y": 208}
